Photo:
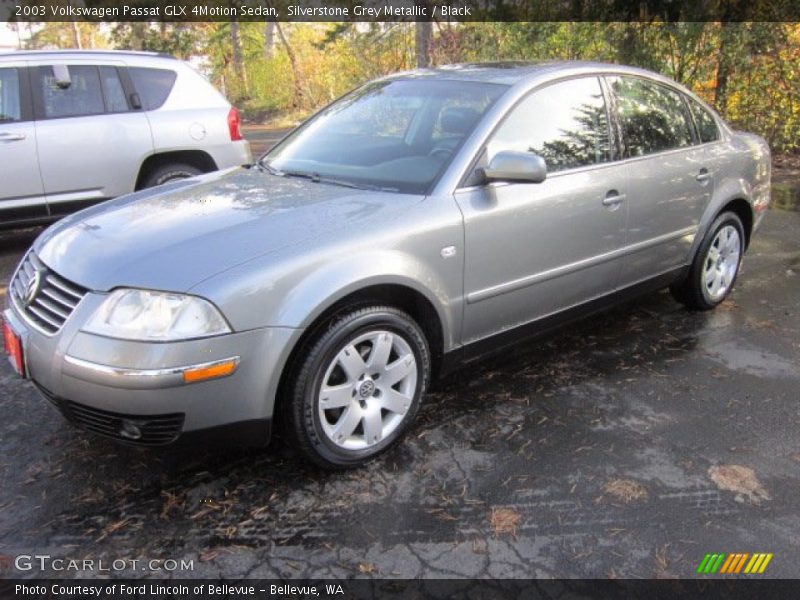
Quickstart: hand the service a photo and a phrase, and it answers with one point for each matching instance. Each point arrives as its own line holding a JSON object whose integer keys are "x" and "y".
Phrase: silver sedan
{"x": 421, "y": 221}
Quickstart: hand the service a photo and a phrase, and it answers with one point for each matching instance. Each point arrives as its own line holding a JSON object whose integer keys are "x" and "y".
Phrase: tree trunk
{"x": 269, "y": 39}
{"x": 299, "y": 83}
{"x": 424, "y": 34}
{"x": 724, "y": 65}
{"x": 76, "y": 35}
{"x": 138, "y": 33}
{"x": 238, "y": 62}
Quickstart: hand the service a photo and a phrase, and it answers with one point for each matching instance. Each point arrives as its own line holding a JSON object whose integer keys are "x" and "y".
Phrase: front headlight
{"x": 155, "y": 316}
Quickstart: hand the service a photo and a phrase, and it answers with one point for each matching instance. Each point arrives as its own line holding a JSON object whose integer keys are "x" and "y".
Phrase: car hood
{"x": 175, "y": 236}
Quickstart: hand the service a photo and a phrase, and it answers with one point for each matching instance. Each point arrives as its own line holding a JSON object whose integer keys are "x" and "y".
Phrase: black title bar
{"x": 398, "y": 10}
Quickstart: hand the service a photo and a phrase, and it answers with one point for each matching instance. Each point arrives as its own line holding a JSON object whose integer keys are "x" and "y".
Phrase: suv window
{"x": 565, "y": 123}
{"x": 83, "y": 96}
{"x": 113, "y": 92}
{"x": 706, "y": 125}
{"x": 9, "y": 95}
{"x": 152, "y": 85}
{"x": 653, "y": 116}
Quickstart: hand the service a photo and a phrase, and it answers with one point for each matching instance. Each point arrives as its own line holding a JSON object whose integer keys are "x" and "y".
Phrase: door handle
{"x": 613, "y": 198}
{"x": 11, "y": 137}
{"x": 703, "y": 176}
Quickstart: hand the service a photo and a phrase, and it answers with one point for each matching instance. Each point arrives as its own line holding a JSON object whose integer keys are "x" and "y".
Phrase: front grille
{"x": 44, "y": 298}
{"x": 152, "y": 430}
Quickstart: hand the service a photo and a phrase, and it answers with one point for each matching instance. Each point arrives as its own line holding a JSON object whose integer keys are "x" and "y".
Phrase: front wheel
{"x": 358, "y": 387}
{"x": 716, "y": 265}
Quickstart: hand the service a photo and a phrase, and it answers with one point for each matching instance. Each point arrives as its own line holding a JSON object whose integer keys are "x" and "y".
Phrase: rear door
{"x": 21, "y": 190}
{"x": 91, "y": 141}
{"x": 670, "y": 178}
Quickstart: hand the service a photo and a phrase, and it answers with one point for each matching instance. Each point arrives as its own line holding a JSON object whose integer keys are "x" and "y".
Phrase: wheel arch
{"x": 734, "y": 195}
{"x": 196, "y": 158}
{"x": 401, "y": 295}
{"x": 742, "y": 209}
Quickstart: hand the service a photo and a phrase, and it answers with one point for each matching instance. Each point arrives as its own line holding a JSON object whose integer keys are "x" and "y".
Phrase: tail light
{"x": 234, "y": 125}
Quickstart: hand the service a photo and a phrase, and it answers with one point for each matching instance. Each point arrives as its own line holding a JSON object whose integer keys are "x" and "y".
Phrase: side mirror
{"x": 516, "y": 166}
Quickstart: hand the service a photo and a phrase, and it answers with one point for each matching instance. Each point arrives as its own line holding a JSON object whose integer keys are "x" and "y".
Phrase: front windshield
{"x": 394, "y": 135}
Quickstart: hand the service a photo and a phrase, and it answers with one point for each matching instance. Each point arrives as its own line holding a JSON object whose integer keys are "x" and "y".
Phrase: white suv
{"x": 80, "y": 127}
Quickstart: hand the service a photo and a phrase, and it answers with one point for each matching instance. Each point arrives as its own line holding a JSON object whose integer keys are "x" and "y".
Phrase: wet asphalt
{"x": 627, "y": 445}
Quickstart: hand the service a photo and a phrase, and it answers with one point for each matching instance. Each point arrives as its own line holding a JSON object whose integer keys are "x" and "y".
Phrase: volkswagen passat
{"x": 414, "y": 224}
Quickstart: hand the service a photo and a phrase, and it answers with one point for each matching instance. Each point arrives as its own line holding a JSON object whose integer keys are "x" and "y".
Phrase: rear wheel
{"x": 170, "y": 172}
{"x": 358, "y": 387}
{"x": 716, "y": 265}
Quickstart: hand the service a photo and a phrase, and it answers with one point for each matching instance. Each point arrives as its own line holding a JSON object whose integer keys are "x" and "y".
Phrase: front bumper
{"x": 113, "y": 386}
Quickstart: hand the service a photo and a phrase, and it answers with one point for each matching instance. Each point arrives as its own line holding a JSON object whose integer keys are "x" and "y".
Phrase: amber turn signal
{"x": 215, "y": 370}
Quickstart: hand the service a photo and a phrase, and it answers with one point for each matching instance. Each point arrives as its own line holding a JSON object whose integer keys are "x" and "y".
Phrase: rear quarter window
{"x": 706, "y": 125}
{"x": 152, "y": 85}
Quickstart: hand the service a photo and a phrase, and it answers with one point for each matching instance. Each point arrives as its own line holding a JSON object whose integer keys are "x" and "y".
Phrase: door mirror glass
{"x": 509, "y": 165}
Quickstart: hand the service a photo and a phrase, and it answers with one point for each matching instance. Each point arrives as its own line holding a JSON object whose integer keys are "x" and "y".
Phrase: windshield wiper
{"x": 262, "y": 164}
{"x": 317, "y": 178}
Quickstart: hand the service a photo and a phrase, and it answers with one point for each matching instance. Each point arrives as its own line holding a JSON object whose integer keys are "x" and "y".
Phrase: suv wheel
{"x": 716, "y": 265}
{"x": 358, "y": 388}
{"x": 170, "y": 172}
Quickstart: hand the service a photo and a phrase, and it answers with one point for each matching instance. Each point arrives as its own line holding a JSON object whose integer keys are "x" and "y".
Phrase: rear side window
{"x": 81, "y": 96}
{"x": 152, "y": 85}
{"x": 565, "y": 123}
{"x": 112, "y": 90}
{"x": 9, "y": 95}
{"x": 706, "y": 125}
{"x": 654, "y": 117}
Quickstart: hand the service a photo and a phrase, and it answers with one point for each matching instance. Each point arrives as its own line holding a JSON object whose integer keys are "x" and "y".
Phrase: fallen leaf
{"x": 505, "y": 520}
{"x": 625, "y": 490}
{"x": 740, "y": 480}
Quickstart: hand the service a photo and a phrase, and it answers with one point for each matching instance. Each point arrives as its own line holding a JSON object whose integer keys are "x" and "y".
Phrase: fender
{"x": 323, "y": 288}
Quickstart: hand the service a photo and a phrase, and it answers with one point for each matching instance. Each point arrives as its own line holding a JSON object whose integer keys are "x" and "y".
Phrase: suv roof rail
{"x": 93, "y": 52}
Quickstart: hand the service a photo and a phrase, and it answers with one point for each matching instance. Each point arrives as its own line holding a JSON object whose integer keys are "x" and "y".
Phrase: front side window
{"x": 397, "y": 135}
{"x": 706, "y": 125}
{"x": 9, "y": 95}
{"x": 79, "y": 96}
{"x": 653, "y": 116}
{"x": 565, "y": 123}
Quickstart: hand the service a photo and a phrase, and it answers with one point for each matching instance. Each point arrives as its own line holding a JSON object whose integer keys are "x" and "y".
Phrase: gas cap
{"x": 197, "y": 131}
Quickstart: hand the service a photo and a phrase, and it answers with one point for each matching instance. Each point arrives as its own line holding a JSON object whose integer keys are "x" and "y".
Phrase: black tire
{"x": 692, "y": 291}
{"x": 301, "y": 415}
{"x": 170, "y": 172}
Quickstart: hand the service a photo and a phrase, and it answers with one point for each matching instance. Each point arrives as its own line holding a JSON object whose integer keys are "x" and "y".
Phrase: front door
{"x": 533, "y": 249}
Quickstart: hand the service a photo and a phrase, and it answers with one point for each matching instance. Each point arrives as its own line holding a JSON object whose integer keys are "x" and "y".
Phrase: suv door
{"x": 91, "y": 142}
{"x": 533, "y": 249}
{"x": 21, "y": 191}
{"x": 670, "y": 179}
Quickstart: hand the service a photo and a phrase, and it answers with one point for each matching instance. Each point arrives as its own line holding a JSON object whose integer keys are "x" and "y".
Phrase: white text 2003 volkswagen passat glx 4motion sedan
{"x": 415, "y": 223}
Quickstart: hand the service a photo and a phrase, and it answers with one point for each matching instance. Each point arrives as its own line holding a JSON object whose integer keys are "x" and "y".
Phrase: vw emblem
{"x": 32, "y": 288}
{"x": 366, "y": 389}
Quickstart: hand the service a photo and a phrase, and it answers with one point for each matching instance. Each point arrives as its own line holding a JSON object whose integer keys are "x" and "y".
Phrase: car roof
{"x": 513, "y": 72}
